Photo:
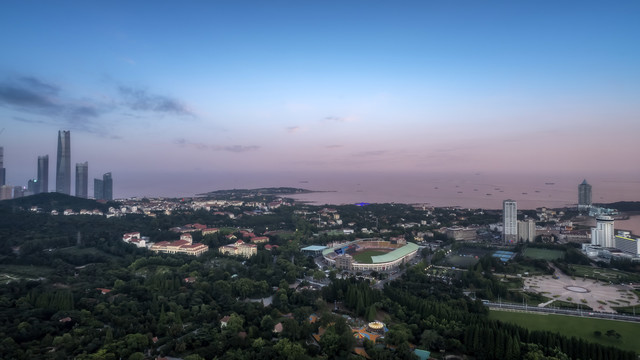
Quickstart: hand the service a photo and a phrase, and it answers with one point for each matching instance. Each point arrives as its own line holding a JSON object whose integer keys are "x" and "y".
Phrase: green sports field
{"x": 576, "y": 326}
{"x": 544, "y": 254}
{"x": 364, "y": 257}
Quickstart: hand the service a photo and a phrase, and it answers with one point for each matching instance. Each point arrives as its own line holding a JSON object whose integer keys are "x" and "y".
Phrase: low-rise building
{"x": 260, "y": 240}
{"x": 239, "y": 248}
{"x": 183, "y": 246}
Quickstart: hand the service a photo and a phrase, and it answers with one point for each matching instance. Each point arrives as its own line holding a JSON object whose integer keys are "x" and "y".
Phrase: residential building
{"x": 82, "y": 179}
{"x": 462, "y": 233}
{"x": 63, "y": 163}
{"x": 43, "y": 174}
{"x": 239, "y": 248}
{"x": 603, "y": 233}
{"x": 584, "y": 195}
{"x": 509, "y": 221}
{"x": 527, "y": 230}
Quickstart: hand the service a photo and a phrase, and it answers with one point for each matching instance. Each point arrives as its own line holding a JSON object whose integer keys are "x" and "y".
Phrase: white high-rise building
{"x": 509, "y": 221}
{"x": 603, "y": 233}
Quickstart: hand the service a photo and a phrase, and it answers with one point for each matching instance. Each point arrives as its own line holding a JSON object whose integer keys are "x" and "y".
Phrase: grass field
{"x": 576, "y": 326}
{"x": 364, "y": 257}
{"x": 462, "y": 261}
{"x": 544, "y": 254}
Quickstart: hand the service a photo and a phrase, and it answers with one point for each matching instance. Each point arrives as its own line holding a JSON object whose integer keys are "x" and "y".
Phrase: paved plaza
{"x": 597, "y": 295}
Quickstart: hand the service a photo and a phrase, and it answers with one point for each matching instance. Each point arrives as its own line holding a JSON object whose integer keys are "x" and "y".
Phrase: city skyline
{"x": 317, "y": 88}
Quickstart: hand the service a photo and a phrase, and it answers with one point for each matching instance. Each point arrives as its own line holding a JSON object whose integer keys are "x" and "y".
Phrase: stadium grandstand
{"x": 370, "y": 254}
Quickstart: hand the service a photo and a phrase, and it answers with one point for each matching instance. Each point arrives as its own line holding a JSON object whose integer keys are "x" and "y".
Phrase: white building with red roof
{"x": 183, "y": 246}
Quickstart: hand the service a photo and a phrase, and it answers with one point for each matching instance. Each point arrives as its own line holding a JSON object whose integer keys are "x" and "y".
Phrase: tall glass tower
{"x": 43, "y": 174}
{"x": 82, "y": 179}
{"x": 107, "y": 183}
{"x": 63, "y": 163}
{"x": 584, "y": 195}
{"x": 98, "y": 189}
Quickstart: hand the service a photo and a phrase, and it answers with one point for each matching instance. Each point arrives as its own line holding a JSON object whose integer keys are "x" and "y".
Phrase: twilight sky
{"x": 319, "y": 86}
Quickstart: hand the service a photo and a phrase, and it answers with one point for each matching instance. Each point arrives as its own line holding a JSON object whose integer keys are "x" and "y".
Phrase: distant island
{"x": 257, "y": 192}
{"x": 263, "y": 193}
{"x": 626, "y": 206}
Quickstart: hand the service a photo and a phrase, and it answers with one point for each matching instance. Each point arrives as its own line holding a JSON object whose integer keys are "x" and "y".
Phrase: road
{"x": 581, "y": 313}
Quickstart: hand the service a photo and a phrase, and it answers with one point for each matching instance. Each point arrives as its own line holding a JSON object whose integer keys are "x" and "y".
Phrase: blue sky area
{"x": 317, "y": 86}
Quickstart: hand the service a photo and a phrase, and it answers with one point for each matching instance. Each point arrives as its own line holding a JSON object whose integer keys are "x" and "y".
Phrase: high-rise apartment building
{"x": 527, "y": 230}
{"x": 43, "y": 174}
{"x": 603, "y": 233}
{"x": 82, "y": 179}
{"x": 98, "y": 189}
{"x": 63, "y": 163}
{"x": 509, "y": 221}
{"x": 3, "y": 175}
{"x": 584, "y": 195}
{"x": 108, "y": 186}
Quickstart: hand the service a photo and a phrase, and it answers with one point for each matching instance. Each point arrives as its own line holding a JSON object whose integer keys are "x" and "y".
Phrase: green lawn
{"x": 364, "y": 257}
{"x": 576, "y": 326}
{"x": 544, "y": 254}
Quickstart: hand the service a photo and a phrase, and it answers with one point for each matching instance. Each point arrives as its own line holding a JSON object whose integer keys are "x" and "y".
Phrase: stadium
{"x": 370, "y": 254}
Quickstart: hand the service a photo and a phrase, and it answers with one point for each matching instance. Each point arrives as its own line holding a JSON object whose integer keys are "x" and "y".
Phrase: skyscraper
{"x": 2, "y": 171}
{"x": 82, "y": 179}
{"x": 510, "y": 221}
{"x": 98, "y": 189}
{"x": 584, "y": 195}
{"x": 43, "y": 174}
{"x": 108, "y": 186}
{"x": 63, "y": 164}
{"x": 32, "y": 187}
